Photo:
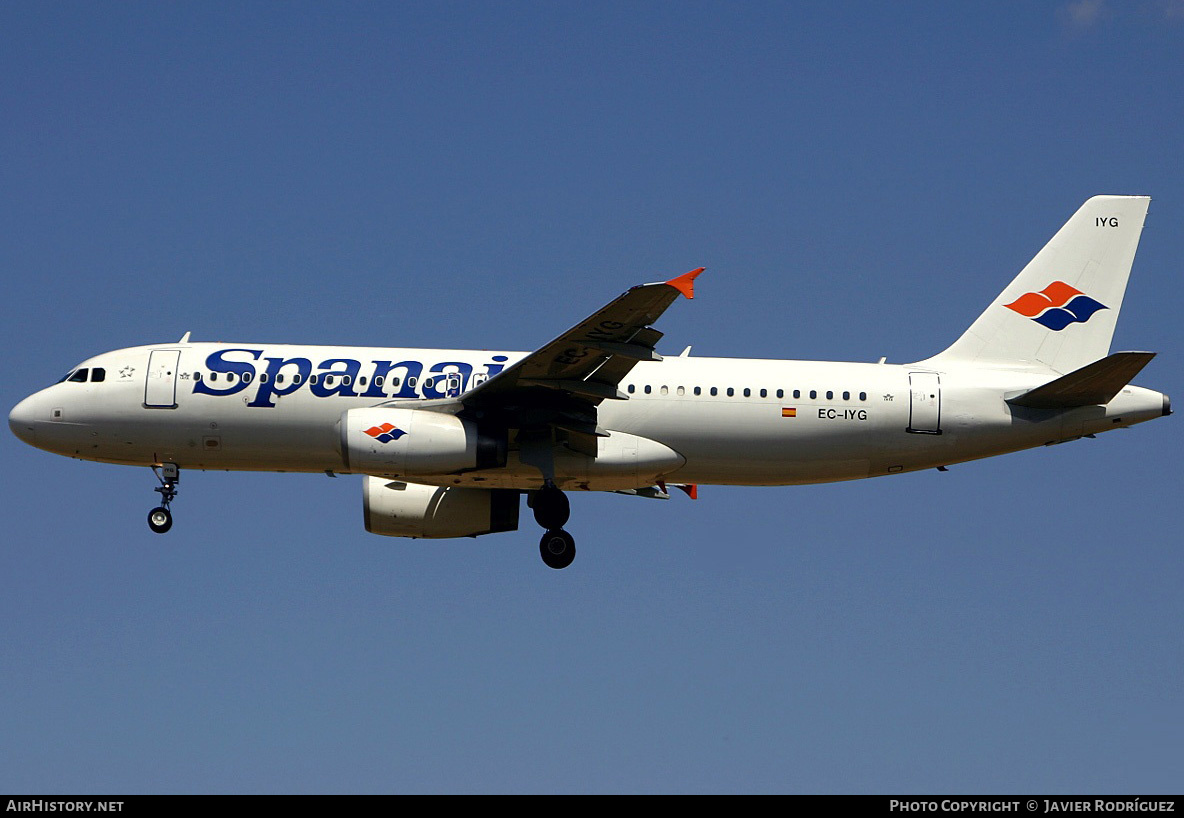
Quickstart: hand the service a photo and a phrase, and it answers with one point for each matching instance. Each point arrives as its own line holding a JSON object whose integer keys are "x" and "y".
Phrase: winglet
{"x": 685, "y": 283}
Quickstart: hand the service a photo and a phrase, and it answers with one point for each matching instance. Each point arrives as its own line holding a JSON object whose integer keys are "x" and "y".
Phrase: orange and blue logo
{"x": 385, "y": 433}
{"x": 1057, "y": 306}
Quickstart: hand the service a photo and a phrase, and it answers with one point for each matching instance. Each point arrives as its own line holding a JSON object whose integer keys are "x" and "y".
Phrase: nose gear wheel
{"x": 160, "y": 519}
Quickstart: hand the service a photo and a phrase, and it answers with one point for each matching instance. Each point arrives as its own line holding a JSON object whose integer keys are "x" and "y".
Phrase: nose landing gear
{"x": 551, "y": 511}
{"x": 160, "y": 519}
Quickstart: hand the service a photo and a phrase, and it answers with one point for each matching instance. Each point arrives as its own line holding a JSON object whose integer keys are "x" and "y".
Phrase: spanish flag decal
{"x": 789, "y": 412}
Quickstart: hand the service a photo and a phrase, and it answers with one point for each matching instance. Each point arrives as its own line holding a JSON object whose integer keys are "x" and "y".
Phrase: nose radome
{"x": 21, "y": 418}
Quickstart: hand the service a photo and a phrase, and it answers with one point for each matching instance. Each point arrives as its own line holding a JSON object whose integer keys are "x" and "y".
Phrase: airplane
{"x": 449, "y": 440}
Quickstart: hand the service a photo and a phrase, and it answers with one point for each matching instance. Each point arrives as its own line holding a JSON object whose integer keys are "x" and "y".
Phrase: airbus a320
{"x": 448, "y": 441}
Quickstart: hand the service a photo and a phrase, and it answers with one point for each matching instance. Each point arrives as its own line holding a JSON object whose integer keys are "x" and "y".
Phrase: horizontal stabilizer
{"x": 1095, "y": 383}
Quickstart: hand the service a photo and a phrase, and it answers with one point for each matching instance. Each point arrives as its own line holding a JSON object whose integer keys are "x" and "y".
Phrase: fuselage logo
{"x": 1056, "y": 306}
{"x": 267, "y": 378}
{"x": 385, "y": 433}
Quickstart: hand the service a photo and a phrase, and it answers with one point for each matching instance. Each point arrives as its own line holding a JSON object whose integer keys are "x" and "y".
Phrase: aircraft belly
{"x": 759, "y": 442}
{"x": 212, "y": 434}
{"x": 288, "y": 437}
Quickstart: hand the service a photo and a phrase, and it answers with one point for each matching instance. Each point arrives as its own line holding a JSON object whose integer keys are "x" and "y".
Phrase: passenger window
{"x": 98, "y": 375}
{"x": 846, "y": 396}
{"x": 714, "y": 391}
{"x": 863, "y": 395}
{"x": 731, "y": 392}
{"x": 378, "y": 380}
{"x": 813, "y": 394}
{"x": 632, "y": 389}
{"x": 213, "y": 376}
{"x": 648, "y": 389}
{"x": 830, "y": 395}
{"x": 664, "y": 390}
{"x": 263, "y": 377}
{"x": 395, "y": 383}
{"x": 79, "y": 376}
{"x": 698, "y": 390}
{"x": 764, "y": 393}
{"x": 781, "y": 393}
{"x": 797, "y": 393}
{"x": 410, "y": 382}
{"x": 747, "y": 392}
{"x": 312, "y": 379}
{"x": 296, "y": 379}
{"x": 278, "y": 378}
{"x": 681, "y": 391}
{"x": 230, "y": 377}
{"x": 429, "y": 383}
{"x": 197, "y": 376}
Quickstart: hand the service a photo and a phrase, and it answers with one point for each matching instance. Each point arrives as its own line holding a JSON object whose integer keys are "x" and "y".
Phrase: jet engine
{"x": 398, "y": 509}
{"x": 409, "y": 442}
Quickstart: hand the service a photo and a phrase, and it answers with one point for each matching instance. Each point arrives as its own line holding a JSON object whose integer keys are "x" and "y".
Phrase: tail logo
{"x": 1056, "y": 306}
{"x": 385, "y": 433}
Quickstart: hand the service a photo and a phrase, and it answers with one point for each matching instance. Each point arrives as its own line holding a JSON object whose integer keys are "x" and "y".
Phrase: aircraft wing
{"x": 563, "y": 382}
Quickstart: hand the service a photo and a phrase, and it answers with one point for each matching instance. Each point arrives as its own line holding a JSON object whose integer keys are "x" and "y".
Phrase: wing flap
{"x": 584, "y": 389}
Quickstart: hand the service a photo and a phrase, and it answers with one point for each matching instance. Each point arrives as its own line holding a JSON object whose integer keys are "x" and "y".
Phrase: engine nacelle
{"x": 409, "y": 442}
{"x": 399, "y": 509}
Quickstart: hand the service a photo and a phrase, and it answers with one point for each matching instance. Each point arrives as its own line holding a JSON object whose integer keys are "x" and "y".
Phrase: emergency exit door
{"x": 925, "y": 403}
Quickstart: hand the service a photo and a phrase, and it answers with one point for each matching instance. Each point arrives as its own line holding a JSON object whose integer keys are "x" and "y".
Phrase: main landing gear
{"x": 551, "y": 511}
{"x": 160, "y": 519}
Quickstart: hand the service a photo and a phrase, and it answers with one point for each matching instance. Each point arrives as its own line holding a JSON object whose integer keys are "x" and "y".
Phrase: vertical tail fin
{"x": 1060, "y": 311}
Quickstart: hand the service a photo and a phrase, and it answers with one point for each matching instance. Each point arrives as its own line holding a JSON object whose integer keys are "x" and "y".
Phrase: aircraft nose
{"x": 21, "y": 418}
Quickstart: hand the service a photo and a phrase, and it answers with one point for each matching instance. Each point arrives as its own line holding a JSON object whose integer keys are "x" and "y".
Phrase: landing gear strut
{"x": 551, "y": 511}
{"x": 160, "y": 519}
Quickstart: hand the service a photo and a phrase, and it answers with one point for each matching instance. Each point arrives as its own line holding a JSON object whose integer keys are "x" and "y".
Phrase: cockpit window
{"x": 65, "y": 377}
{"x": 79, "y": 376}
{"x": 98, "y": 375}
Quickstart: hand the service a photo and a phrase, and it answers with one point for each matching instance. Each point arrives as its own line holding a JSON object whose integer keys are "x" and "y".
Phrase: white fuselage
{"x": 271, "y": 407}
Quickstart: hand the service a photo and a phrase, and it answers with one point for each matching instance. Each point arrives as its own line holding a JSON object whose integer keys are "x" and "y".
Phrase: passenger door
{"x": 160, "y": 388}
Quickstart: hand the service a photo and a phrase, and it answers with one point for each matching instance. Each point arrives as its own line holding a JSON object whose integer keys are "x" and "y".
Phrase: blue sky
{"x": 859, "y": 179}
